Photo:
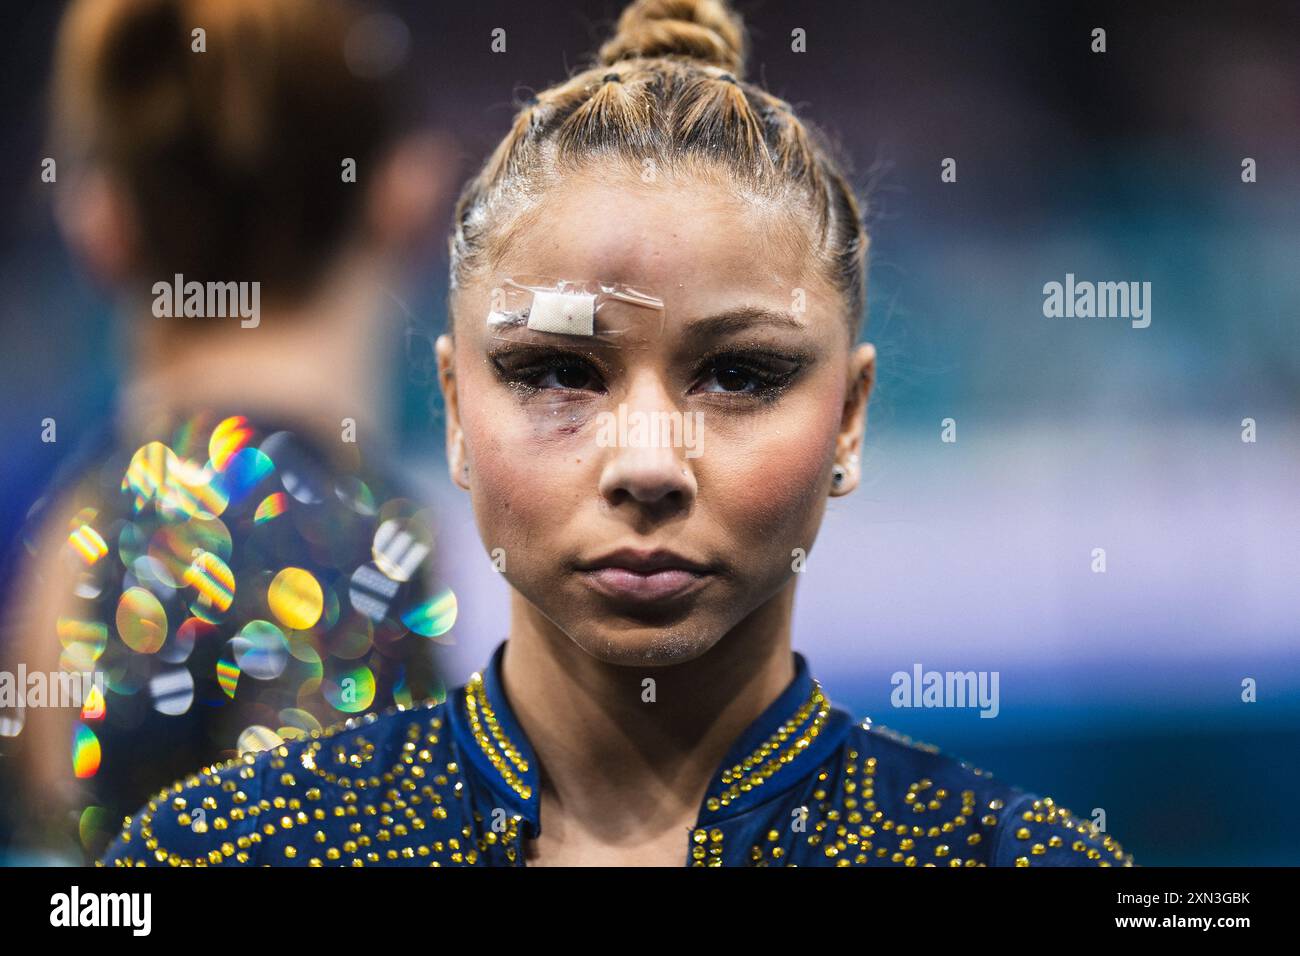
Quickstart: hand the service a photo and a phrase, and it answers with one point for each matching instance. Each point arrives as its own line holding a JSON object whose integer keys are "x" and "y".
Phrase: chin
{"x": 631, "y": 634}
{"x": 631, "y": 643}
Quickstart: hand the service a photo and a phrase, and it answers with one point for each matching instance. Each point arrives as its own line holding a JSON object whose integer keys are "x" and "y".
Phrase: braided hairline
{"x": 668, "y": 88}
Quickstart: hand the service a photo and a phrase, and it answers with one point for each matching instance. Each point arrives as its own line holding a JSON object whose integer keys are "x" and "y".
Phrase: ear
{"x": 408, "y": 188}
{"x": 853, "y": 421}
{"x": 98, "y": 224}
{"x": 457, "y": 460}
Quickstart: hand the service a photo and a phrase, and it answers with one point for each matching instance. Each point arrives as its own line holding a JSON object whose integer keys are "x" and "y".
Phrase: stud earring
{"x": 838, "y": 475}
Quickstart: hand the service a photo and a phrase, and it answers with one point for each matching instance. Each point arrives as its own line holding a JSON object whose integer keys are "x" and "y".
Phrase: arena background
{"x": 1119, "y": 690}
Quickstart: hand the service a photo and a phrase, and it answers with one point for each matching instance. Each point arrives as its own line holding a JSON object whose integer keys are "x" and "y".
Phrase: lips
{"x": 644, "y": 576}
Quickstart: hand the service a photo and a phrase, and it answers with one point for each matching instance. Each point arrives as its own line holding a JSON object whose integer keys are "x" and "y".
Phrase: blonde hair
{"x": 668, "y": 87}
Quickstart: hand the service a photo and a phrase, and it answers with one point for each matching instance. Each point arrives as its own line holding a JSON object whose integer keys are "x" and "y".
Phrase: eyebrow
{"x": 739, "y": 319}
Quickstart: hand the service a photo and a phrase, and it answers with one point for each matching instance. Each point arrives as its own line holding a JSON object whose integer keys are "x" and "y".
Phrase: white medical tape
{"x": 567, "y": 313}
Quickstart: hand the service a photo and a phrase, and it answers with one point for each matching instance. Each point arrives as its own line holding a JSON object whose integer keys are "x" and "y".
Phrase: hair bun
{"x": 705, "y": 30}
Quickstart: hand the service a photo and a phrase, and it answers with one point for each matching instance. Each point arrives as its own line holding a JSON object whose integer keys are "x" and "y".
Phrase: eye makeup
{"x": 733, "y": 375}
{"x": 738, "y": 374}
{"x": 532, "y": 370}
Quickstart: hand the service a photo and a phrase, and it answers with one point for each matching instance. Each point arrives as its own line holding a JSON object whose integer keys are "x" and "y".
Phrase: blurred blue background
{"x": 1119, "y": 690}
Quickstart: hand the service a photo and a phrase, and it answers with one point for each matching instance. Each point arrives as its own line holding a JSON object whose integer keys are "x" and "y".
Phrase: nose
{"x": 646, "y": 459}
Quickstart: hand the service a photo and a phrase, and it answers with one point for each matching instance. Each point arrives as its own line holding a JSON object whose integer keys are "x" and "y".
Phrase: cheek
{"x": 774, "y": 483}
{"x": 528, "y": 469}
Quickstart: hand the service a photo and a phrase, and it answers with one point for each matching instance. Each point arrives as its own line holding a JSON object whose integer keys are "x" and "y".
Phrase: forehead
{"x": 686, "y": 240}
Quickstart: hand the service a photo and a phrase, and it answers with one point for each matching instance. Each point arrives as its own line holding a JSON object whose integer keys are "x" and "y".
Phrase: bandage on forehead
{"x": 537, "y": 308}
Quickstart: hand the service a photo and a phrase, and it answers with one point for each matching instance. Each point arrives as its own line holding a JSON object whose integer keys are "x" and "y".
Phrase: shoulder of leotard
{"x": 211, "y": 817}
{"x": 912, "y": 779}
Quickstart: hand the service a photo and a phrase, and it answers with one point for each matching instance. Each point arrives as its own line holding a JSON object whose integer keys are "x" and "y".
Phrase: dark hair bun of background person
{"x": 231, "y": 157}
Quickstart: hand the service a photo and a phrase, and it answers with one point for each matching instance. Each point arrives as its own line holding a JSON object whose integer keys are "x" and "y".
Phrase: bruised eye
{"x": 565, "y": 376}
{"x": 548, "y": 371}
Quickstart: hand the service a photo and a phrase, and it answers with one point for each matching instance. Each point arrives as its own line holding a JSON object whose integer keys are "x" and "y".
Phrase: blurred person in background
{"x": 233, "y": 560}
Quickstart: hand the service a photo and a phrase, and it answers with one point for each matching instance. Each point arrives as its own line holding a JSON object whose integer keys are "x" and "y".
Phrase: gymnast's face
{"x": 649, "y": 496}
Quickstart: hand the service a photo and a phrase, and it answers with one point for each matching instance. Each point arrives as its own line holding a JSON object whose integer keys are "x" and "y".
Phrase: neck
{"x": 616, "y": 770}
{"x": 311, "y": 364}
